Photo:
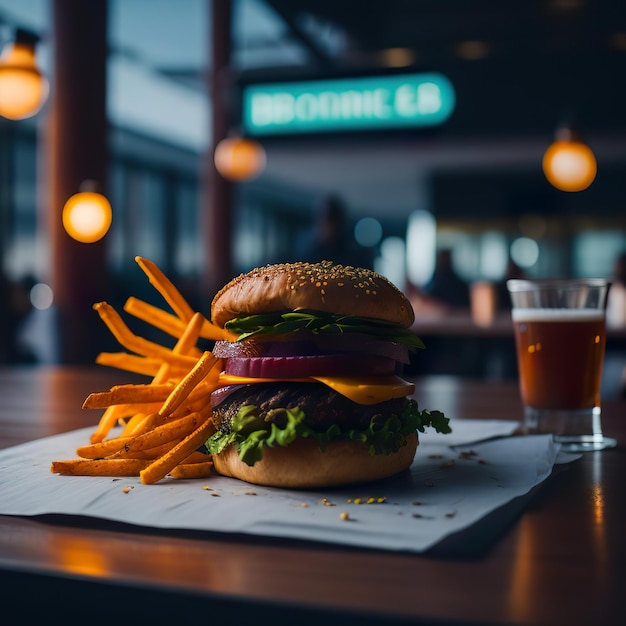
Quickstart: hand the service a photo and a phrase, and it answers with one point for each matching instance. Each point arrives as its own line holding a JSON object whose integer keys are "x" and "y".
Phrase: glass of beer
{"x": 560, "y": 337}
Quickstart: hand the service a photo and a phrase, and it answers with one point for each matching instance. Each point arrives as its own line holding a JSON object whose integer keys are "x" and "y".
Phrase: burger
{"x": 311, "y": 394}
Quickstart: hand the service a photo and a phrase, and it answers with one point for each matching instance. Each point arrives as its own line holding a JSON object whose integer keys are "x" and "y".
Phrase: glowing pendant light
{"x": 239, "y": 159}
{"x": 87, "y": 215}
{"x": 23, "y": 88}
{"x": 569, "y": 164}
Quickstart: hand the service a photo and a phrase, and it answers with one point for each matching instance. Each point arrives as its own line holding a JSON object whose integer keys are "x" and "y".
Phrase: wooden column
{"x": 217, "y": 212}
{"x": 77, "y": 151}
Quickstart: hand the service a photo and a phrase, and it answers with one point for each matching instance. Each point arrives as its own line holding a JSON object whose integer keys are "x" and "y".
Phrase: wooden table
{"x": 561, "y": 561}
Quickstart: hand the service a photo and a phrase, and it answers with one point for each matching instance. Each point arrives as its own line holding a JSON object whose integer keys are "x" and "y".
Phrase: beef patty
{"x": 321, "y": 405}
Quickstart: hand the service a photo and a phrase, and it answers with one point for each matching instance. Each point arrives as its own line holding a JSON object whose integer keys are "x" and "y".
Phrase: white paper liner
{"x": 447, "y": 489}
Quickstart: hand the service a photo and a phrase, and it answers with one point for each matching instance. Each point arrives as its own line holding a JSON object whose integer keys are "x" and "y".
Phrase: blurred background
{"x": 417, "y": 130}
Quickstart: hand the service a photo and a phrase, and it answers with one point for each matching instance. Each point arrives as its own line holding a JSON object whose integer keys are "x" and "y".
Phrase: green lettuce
{"x": 384, "y": 435}
{"x": 316, "y": 322}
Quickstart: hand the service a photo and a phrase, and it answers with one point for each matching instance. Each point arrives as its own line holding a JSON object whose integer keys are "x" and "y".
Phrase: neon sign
{"x": 347, "y": 104}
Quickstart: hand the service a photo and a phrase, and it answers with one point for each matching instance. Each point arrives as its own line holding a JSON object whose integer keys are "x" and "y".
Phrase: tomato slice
{"x": 313, "y": 365}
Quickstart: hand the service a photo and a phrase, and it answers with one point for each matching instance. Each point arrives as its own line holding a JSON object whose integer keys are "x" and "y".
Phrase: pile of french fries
{"x": 156, "y": 429}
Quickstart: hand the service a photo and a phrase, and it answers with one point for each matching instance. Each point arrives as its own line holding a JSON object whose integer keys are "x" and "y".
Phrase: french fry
{"x": 151, "y": 454}
{"x": 148, "y": 366}
{"x": 101, "y": 467}
{"x": 133, "y": 342}
{"x": 127, "y": 394}
{"x": 103, "y": 448}
{"x": 196, "y": 401}
{"x": 125, "y": 410}
{"x": 192, "y": 470}
{"x": 133, "y": 423}
{"x": 187, "y": 341}
{"x": 163, "y": 433}
{"x": 171, "y": 324}
{"x": 143, "y": 424}
{"x": 164, "y": 321}
{"x": 111, "y": 416}
{"x": 166, "y": 463}
{"x": 184, "y": 345}
{"x": 117, "y": 413}
{"x": 178, "y": 395}
{"x": 163, "y": 285}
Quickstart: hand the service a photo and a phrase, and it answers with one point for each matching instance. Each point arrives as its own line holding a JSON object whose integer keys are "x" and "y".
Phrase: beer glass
{"x": 560, "y": 337}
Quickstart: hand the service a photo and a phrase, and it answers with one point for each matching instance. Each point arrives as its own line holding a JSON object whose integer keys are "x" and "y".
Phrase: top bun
{"x": 324, "y": 286}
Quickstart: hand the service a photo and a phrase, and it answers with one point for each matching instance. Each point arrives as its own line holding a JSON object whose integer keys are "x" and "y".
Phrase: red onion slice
{"x": 317, "y": 365}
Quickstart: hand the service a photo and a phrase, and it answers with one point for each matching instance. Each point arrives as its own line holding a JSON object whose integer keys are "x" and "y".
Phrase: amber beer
{"x": 560, "y": 355}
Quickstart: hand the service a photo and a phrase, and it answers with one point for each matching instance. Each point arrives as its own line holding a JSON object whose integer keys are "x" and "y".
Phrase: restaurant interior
{"x": 153, "y": 115}
{"x": 151, "y": 151}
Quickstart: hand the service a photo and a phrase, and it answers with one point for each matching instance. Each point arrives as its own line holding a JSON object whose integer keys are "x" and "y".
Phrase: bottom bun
{"x": 304, "y": 465}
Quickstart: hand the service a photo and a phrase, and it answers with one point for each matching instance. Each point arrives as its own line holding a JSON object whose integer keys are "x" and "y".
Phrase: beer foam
{"x": 557, "y": 315}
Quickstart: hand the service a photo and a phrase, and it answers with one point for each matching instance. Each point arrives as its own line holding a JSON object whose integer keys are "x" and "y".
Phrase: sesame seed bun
{"x": 325, "y": 286}
{"x": 302, "y": 465}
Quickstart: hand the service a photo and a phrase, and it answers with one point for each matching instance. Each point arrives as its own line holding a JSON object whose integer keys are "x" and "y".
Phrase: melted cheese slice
{"x": 361, "y": 389}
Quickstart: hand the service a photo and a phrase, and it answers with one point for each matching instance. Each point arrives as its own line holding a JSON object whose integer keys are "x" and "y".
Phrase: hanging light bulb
{"x": 239, "y": 159}
{"x": 23, "y": 88}
{"x": 87, "y": 215}
{"x": 569, "y": 164}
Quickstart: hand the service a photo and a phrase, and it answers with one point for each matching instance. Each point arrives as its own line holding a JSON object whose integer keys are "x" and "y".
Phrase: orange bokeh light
{"x": 569, "y": 165}
{"x": 23, "y": 88}
{"x": 239, "y": 159}
{"x": 87, "y": 216}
